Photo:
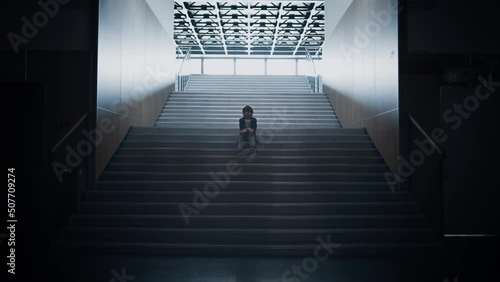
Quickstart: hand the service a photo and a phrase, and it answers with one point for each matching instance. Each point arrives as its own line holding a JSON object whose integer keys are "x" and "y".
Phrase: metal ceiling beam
{"x": 219, "y": 23}
{"x": 190, "y": 22}
{"x": 277, "y": 28}
{"x": 272, "y": 27}
{"x": 249, "y": 18}
{"x": 309, "y": 20}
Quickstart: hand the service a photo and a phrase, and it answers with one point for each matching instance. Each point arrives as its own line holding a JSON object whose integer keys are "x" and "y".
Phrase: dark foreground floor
{"x": 241, "y": 269}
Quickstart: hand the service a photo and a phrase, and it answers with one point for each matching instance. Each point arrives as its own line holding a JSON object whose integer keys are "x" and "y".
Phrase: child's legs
{"x": 251, "y": 140}
{"x": 241, "y": 142}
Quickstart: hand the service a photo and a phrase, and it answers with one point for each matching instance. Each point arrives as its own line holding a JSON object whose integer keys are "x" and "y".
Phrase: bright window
{"x": 306, "y": 67}
{"x": 219, "y": 66}
{"x": 250, "y": 66}
{"x": 194, "y": 66}
{"x": 281, "y": 67}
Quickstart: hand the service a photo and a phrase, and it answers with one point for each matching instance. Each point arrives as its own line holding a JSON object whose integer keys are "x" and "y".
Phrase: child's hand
{"x": 249, "y": 130}
{"x": 243, "y": 131}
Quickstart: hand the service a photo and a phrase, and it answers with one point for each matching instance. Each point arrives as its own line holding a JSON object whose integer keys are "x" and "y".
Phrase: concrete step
{"x": 280, "y": 97}
{"x": 225, "y": 196}
{"x": 247, "y": 167}
{"x": 244, "y": 176}
{"x": 236, "y": 116}
{"x": 209, "y": 76}
{"x": 231, "y": 152}
{"x": 259, "y": 81}
{"x": 237, "y": 112}
{"x": 256, "y": 94}
{"x": 245, "y": 236}
{"x": 202, "y": 131}
{"x": 255, "y": 105}
{"x": 232, "y": 137}
{"x": 249, "y": 185}
{"x": 64, "y": 248}
{"x": 249, "y": 85}
{"x": 264, "y": 79}
{"x": 224, "y": 83}
{"x": 256, "y": 81}
{"x": 261, "y": 107}
{"x": 245, "y": 100}
{"x": 261, "y": 78}
{"x": 250, "y": 92}
{"x": 261, "y": 126}
{"x": 249, "y": 88}
{"x": 257, "y": 85}
{"x": 204, "y": 159}
{"x": 262, "y": 116}
{"x": 247, "y": 208}
{"x": 260, "y": 120}
{"x": 254, "y": 221}
{"x": 232, "y": 144}
{"x": 242, "y": 101}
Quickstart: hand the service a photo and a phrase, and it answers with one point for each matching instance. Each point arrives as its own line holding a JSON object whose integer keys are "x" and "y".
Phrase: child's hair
{"x": 247, "y": 108}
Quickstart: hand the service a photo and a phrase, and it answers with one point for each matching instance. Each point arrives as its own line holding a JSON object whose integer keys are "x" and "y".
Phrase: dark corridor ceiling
{"x": 250, "y": 28}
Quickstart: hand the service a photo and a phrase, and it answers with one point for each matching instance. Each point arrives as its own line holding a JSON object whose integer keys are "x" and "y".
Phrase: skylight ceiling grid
{"x": 250, "y": 28}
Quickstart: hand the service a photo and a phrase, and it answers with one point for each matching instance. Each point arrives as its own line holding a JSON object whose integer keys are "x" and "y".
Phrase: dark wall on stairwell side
{"x": 136, "y": 68}
{"x": 448, "y": 50}
{"x": 359, "y": 69}
{"x": 47, "y": 82}
{"x": 445, "y": 48}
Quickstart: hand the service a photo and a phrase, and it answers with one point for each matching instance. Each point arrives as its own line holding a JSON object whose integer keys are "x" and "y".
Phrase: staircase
{"x": 312, "y": 183}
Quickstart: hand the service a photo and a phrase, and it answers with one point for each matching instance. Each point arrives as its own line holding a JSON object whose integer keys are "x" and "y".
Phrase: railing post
{"x": 314, "y": 79}
{"x": 265, "y": 66}
{"x": 296, "y": 66}
{"x": 181, "y": 80}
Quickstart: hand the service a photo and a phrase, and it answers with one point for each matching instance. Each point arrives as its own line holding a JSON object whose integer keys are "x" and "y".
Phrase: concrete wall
{"x": 360, "y": 71}
{"x": 136, "y": 68}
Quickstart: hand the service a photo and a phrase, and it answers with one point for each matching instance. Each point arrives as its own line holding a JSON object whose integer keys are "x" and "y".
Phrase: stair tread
{"x": 367, "y": 216}
{"x": 388, "y": 192}
{"x": 260, "y": 245}
{"x": 249, "y": 173}
{"x": 256, "y": 230}
{"x": 243, "y": 164}
{"x": 293, "y": 204}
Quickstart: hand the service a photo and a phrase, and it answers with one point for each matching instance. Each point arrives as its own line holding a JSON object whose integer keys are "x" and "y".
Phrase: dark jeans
{"x": 246, "y": 137}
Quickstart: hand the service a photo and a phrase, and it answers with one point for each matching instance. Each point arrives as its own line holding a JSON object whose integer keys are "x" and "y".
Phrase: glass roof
{"x": 250, "y": 28}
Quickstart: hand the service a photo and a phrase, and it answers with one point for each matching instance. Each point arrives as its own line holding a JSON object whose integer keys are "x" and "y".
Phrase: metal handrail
{"x": 310, "y": 58}
{"x": 425, "y": 134}
{"x": 180, "y": 78}
{"x": 440, "y": 231}
{"x": 314, "y": 79}
{"x": 186, "y": 57}
{"x": 70, "y": 132}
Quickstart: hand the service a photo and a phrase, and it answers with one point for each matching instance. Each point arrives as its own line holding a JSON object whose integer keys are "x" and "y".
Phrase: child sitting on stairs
{"x": 248, "y": 129}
